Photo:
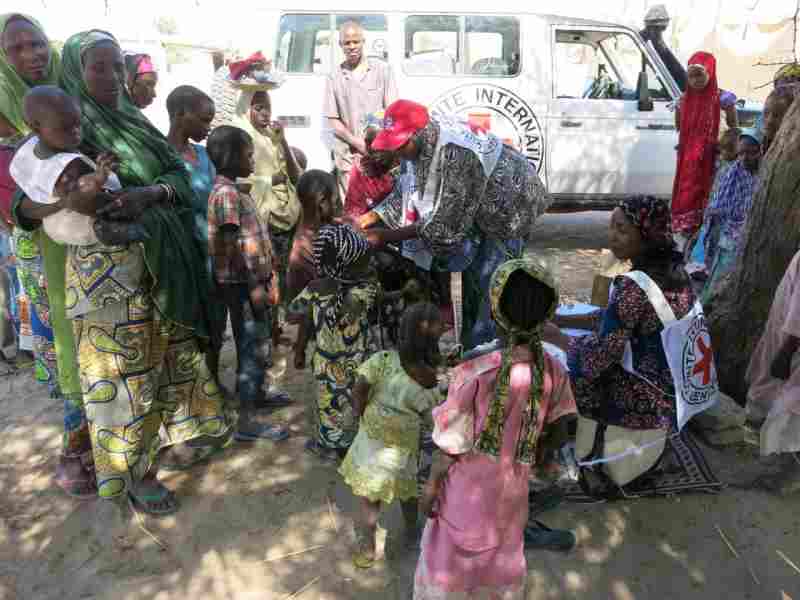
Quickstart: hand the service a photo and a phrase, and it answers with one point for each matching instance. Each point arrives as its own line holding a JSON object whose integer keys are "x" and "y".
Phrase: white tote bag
{"x": 687, "y": 345}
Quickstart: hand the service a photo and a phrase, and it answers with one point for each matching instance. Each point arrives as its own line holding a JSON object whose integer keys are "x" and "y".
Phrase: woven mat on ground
{"x": 688, "y": 471}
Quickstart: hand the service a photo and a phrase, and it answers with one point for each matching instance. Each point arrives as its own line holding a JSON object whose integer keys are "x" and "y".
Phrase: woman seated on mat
{"x": 605, "y": 390}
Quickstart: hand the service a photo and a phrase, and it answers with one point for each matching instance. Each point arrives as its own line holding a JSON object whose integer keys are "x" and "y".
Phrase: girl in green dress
{"x": 394, "y": 395}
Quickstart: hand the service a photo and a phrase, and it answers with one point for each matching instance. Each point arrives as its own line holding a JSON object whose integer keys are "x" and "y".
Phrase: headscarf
{"x": 660, "y": 258}
{"x": 699, "y": 132}
{"x": 336, "y": 249}
{"x": 12, "y": 87}
{"x": 789, "y": 72}
{"x": 651, "y": 216}
{"x": 136, "y": 65}
{"x": 491, "y": 438}
{"x": 146, "y": 158}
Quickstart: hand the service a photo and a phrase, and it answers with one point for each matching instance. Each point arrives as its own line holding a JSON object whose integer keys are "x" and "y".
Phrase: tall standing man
{"x": 356, "y": 88}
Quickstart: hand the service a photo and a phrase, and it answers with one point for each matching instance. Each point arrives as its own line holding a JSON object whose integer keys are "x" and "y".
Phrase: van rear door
{"x": 601, "y": 145}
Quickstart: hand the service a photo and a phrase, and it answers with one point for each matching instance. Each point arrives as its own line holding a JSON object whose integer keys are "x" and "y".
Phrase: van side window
{"x": 481, "y": 46}
{"x": 310, "y": 43}
{"x": 431, "y": 45}
{"x": 492, "y": 46}
{"x": 304, "y": 44}
{"x": 602, "y": 65}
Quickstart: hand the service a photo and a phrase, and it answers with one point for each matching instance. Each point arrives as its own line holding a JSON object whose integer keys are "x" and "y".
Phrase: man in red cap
{"x": 469, "y": 203}
{"x": 358, "y": 87}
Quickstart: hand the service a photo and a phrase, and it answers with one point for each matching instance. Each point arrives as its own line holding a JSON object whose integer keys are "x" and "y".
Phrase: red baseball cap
{"x": 402, "y": 119}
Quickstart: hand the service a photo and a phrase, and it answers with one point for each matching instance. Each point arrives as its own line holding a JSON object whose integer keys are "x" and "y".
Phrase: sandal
{"x": 539, "y": 536}
{"x": 80, "y": 488}
{"x": 272, "y": 400}
{"x": 272, "y": 433}
{"x": 364, "y": 560}
{"x": 159, "y": 502}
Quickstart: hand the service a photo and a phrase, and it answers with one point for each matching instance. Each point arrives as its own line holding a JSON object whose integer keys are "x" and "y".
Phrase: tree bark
{"x": 740, "y": 306}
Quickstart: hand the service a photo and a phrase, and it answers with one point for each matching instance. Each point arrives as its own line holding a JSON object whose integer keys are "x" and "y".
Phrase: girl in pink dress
{"x": 488, "y": 433}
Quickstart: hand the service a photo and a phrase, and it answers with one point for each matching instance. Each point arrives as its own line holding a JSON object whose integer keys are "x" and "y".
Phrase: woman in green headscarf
{"x": 490, "y": 433}
{"x": 137, "y": 308}
{"x": 27, "y": 60}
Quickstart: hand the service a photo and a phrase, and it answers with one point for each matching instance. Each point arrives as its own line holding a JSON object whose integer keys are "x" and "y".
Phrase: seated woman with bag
{"x": 620, "y": 373}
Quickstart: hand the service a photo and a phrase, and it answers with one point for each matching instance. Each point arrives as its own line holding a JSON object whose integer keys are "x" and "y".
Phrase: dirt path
{"x": 244, "y": 513}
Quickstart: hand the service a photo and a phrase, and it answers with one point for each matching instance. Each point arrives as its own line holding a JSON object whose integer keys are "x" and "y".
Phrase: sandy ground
{"x": 269, "y": 522}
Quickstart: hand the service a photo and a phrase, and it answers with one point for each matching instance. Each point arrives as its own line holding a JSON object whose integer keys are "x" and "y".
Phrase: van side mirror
{"x": 643, "y": 93}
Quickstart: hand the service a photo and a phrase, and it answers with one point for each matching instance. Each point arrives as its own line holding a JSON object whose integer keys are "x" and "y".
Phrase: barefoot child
{"x": 241, "y": 256}
{"x": 334, "y": 311}
{"x": 65, "y": 186}
{"x": 489, "y": 433}
{"x": 394, "y": 394}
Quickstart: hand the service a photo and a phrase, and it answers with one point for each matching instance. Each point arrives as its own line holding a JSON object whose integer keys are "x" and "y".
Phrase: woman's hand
{"x": 279, "y": 179}
{"x": 131, "y": 203}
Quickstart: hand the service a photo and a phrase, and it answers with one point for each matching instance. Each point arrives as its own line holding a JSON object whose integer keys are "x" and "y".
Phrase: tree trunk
{"x": 741, "y": 305}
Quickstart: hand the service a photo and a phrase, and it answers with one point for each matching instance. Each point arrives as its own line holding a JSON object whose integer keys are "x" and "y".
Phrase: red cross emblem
{"x": 704, "y": 364}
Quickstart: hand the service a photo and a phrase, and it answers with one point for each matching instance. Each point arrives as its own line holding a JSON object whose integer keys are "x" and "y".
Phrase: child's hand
{"x": 782, "y": 366}
{"x": 430, "y": 493}
{"x": 299, "y": 358}
{"x": 107, "y": 162}
{"x": 259, "y": 299}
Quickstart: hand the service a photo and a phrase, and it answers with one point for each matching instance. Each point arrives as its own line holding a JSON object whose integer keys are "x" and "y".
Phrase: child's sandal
{"x": 364, "y": 560}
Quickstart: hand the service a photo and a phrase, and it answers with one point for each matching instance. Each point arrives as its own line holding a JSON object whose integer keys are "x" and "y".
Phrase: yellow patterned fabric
{"x": 382, "y": 462}
{"x": 146, "y": 386}
{"x": 98, "y": 275}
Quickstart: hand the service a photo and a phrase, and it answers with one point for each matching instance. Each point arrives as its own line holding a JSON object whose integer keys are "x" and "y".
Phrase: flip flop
{"x": 273, "y": 433}
{"x": 143, "y": 503}
{"x": 539, "y": 536}
{"x": 272, "y": 400}
{"x": 363, "y": 560}
{"x": 80, "y": 489}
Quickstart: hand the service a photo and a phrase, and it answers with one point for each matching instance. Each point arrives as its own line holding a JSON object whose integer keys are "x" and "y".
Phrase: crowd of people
{"x": 128, "y": 252}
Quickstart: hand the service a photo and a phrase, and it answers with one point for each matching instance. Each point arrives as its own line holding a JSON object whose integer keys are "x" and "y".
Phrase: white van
{"x": 590, "y": 104}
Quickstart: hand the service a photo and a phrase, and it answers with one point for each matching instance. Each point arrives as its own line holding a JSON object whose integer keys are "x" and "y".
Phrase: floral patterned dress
{"x": 604, "y": 390}
{"x": 382, "y": 462}
{"x": 338, "y": 352}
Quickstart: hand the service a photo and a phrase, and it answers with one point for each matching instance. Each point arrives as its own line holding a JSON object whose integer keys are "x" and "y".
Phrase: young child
{"x": 334, "y": 311}
{"x": 728, "y": 153}
{"x": 393, "y": 396}
{"x": 241, "y": 259}
{"x": 316, "y": 190}
{"x": 697, "y": 119}
{"x": 67, "y": 187}
{"x": 489, "y": 434}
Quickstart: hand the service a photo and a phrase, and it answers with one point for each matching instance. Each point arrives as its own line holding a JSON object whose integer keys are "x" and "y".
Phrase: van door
{"x": 307, "y": 50}
{"x": 601, "y": 145}
{"x": 472, "y": 66}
